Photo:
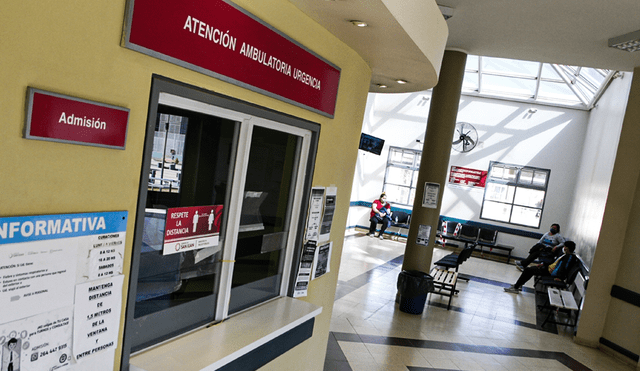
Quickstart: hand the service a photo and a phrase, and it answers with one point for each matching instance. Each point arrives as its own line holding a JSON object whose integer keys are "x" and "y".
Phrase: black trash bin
{"x": 413, "y": 287}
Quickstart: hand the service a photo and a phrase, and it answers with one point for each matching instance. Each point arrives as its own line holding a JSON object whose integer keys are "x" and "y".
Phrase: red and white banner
{"x": 220, "y": 39}
{"x": 60, "y": 118}
{"x": 467, "y": 177}
{"x": 192, "y": 228}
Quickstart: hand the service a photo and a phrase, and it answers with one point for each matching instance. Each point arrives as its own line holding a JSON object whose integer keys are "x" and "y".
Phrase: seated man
{"x": 547, "y": 249}
{"x": 559, "y": 269}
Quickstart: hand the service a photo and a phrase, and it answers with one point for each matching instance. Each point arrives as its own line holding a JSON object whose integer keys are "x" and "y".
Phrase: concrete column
{"x": 435, "y": 157}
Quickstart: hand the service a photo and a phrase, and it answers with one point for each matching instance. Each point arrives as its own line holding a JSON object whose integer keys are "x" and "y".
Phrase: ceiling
{"x": 573, "y": 32}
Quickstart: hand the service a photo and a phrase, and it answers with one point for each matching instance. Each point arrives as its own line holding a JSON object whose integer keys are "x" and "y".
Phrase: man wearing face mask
{"x": 547, "y": 249}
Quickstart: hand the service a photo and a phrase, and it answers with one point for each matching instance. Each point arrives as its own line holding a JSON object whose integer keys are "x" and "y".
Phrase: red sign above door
{"x": 224, "y": 41}
{"x": 60, "y": 118}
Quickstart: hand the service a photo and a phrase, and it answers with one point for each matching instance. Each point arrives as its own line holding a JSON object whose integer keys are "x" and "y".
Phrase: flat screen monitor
{"x": 371, "y": 144}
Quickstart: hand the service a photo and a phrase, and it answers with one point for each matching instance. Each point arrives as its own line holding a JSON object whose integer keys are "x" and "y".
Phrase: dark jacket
{"x": 566, "y": 264}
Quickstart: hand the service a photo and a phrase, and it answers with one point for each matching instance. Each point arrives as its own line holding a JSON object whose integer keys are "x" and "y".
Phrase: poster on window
{"x": 321, "y": 260}
{"x": 192, "y": 228}
{"x": 465, "y": 177}
{"x": 314, "y": 218}
{"x": 327, "y": 216}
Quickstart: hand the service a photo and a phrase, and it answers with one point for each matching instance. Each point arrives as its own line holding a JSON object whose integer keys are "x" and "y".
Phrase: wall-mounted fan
{"x": 465, "y": 137}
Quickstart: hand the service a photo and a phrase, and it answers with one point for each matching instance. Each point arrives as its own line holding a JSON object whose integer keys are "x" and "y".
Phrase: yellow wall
{"x": 74, "y": 48}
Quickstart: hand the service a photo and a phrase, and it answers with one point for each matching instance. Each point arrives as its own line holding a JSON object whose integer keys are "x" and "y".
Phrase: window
{"x": 401, "y": 177}
{"x": 515, "y": 194}
{"x": 239, "y": 173}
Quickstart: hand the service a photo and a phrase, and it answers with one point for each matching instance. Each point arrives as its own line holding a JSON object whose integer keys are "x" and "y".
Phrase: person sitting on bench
{"x": 380, "y": 213}
{"x": 547, "y": 249}
{"x": 558, "y": 269}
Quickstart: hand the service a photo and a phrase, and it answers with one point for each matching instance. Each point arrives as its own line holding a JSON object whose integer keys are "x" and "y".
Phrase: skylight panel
{"x": 510, "y": 66}
{"x": 544, "y": 83}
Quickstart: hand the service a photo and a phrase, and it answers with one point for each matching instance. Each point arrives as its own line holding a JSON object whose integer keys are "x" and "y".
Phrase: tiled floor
{"x": 486, "y": 328}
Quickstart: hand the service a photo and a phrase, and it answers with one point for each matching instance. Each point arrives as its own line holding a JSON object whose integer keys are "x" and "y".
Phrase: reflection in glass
{"x": 529, "y": 197}
{"x": 196, "y": 175}
{"x": 540, "y": 178}
{"x": 397, "y": 194}
{"x": 526, "y": 176}
{"x": 399, "y": 176}
{"x": 499, "y": 192}
{"x": 264, "y": 220}
{"x": 496, "y": 211}
{"x": 526, "y": 216}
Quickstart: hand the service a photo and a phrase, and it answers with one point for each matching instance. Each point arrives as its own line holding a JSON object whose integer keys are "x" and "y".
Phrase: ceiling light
{"x": 629, "y": 42}
{"x": 382, "y": 86}
{"x": 401, "y": 82}
{"x": 359, "y": 23}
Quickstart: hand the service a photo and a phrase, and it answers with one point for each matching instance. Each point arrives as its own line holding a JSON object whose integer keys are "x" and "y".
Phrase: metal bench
{"x": 566, "y": 301}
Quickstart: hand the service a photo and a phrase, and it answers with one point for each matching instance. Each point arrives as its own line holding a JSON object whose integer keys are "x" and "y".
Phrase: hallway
{"x": 486, "y": 328}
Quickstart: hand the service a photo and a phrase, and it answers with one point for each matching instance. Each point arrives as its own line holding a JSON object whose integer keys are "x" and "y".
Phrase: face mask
{"x": 553, "y": 230}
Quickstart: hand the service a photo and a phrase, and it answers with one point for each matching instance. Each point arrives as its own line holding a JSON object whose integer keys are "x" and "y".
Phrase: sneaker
{"x": 519, "y": 266}
{"x": 381, "y": 236}
{"x": 512, "y": 289}
{"x": 371, "y": 235}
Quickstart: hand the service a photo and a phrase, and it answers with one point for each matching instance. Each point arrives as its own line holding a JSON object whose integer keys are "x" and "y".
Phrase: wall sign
{"x": 467, "y": 177}
{"x": 60, "y": 118}
{"x": 192, "y": 228}
{"x": 49, "y": 297}
{"x": 220, "y": 39}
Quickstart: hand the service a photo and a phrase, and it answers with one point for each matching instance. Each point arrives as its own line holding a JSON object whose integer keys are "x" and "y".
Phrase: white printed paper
{"x": 38, "y": 343}
{"x": 327, "y": 214}
{"x": 97, "y": 316}
{"x": 36, "y": 276}
{"x": 314, "y": 218}
{"x": 322, "y": 260}
{"x": 305, "y": 268}
{"x": 106, "y": 255}
{"x": 430, "y": 197}
{"x": 424, "y": 233}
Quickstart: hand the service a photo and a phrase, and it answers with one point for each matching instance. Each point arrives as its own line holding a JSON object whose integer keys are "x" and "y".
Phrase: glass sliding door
{"x": 223, "y": 195}
{"x": 265, "y": 217}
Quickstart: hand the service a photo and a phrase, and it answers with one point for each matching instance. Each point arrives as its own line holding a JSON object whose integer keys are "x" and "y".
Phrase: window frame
{"x": 247, "y": 116}
{"x": 414, "y": 167}
{"x": 516, "y": 182}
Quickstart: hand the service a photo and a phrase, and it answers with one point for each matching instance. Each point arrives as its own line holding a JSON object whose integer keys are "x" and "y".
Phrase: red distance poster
{"x": 192, "y": 228}
{"x": 467, "y": 177}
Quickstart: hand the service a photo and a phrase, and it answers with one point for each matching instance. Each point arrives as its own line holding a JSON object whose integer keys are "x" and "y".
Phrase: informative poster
{"x": 430, "y": 197}
{"x": 42, "y": 259}
{"x": 192, "y": 228}
{"x": 424, "y": 233}
{"x": 37, "y": 343}
{"x": 305, "y": 268}
{"x": 327, "y": 216}
{"x": 321, "y": 260}
{"x": 315, "y": 213}
{"x": 97, "y": 316}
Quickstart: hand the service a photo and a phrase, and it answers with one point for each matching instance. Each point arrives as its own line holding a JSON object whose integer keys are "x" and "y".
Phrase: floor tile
{"x": 485, "y": 329}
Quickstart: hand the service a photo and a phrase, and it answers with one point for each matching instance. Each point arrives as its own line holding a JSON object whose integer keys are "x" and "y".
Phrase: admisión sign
{"x": 60, "y": 118}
